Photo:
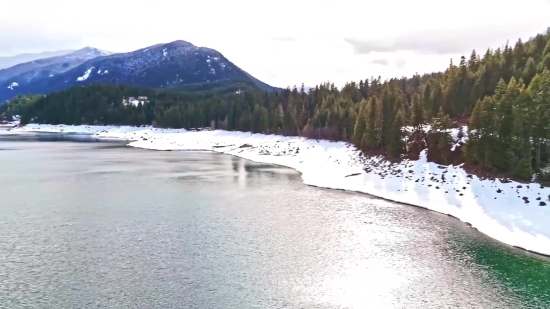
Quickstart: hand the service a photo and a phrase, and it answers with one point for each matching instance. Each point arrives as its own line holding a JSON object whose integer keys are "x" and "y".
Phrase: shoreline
{"x": 518, "y": 222}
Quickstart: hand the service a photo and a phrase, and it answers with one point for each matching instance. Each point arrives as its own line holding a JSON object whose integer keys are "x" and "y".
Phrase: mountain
{"x": 46, "y": 67}
{"x": 159, "y": 66}
{"x": 6, "y": 62}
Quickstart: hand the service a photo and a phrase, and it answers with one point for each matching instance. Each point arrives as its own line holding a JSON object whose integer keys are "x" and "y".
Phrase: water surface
{"x": 101, "y": 225}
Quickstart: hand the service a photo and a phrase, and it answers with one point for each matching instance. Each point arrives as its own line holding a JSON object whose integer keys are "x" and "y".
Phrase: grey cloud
{"x": 444, "y": 41}
{"x": 380, "y": 61}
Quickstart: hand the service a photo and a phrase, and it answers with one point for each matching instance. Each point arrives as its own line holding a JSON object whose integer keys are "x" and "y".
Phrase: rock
{"x": 519, "y": 187}
{"x": 499, "y": 191}
{"x": 542, "y": 204}
{"x": 437, "y": 187}
{"x": 538, "y": 198}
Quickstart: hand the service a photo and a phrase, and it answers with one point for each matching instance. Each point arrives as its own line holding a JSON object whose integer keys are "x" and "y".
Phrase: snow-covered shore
{"x": 513, "y": 213}
{"x": 116, "y": 131}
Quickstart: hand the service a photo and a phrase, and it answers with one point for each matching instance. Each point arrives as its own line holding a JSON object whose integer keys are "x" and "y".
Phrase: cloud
{"x": 286, "y": 38}
{"x": 283, "y": 51}
{"x": 28, "y": 38}
{"x": 379, "y": 61}
{"x": 445, "y": 41}
{"x": 400, "y": 62}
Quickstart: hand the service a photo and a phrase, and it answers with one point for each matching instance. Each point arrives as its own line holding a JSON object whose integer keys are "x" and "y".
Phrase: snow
{"x": 164, "y": 52}
{"x": 133, "y": 102}
{"x": 452, "y": 132}
{"x": 85, "y": 76}
{"x": 14, "y": 84}
{"x": 9, "y": 124}
{"x": 497, "y": 209}
{"x": 99, "y": 71}
{"x": 119, "y": 132}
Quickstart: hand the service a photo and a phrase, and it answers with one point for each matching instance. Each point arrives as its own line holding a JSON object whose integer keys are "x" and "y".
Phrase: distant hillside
{"x": 47, "y": 67}
{"x": 160, "y": 66}
{"x": 6, "y": 62}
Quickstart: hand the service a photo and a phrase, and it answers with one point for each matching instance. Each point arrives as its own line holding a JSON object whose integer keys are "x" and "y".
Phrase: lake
{"x": 88, "y": 224}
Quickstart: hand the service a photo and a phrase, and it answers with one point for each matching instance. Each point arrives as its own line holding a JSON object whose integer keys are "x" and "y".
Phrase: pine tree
{"x": 539, "y": 112}
{"x": 372, "y": 131}
{"x": 530, "y": 70}
{"x": 417, "y": 113}
{"x": 396, "y": 141}
{"x": 360, "y": 125}
{"x": 429, "y": 105}
{"x": 473, "y": 148}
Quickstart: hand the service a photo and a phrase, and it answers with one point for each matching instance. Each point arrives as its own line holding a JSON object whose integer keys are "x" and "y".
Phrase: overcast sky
{"x": 283, "y": 42}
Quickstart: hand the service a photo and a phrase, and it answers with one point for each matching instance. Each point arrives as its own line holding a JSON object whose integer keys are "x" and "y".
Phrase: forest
{"x": 502, "y": 95}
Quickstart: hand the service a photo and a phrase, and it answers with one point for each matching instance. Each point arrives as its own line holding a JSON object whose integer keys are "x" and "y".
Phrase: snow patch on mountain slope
{"x": 85, "y": 76}
{"x": 13, "y": 85}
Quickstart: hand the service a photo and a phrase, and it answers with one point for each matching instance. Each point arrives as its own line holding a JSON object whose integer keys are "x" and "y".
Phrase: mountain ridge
{"x": 46, "y": 67}
{"x": 163, "y": 65}
{"x": 9, "y": 61}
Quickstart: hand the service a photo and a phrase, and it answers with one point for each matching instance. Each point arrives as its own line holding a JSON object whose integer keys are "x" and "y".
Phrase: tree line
{"x": 506, "y": 91}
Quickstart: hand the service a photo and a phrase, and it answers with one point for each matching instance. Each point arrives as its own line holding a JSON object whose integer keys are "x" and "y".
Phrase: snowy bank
{"x": 513, "y": 213}
{"x": 119, "y": 132}
{"x": 9, "y": 124}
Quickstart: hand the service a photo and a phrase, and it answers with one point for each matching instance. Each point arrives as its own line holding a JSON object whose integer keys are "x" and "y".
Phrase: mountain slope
{"x": 6, "y": 62}
{"x": 159, "y": 66}
{"x": 46, "y": 67}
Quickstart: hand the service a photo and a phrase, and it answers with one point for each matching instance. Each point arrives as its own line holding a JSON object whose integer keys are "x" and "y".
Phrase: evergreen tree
{"x": 396, "y": 141}
{"x": 417, "y": 113}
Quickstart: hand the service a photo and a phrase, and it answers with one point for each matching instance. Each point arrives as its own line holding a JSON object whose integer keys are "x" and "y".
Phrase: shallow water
{"x": 92, "y": 225}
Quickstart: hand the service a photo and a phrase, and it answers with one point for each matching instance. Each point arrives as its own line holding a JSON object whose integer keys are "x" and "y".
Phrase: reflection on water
{"x": 6, "y": 135}
{"x": 88, "y": 225}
